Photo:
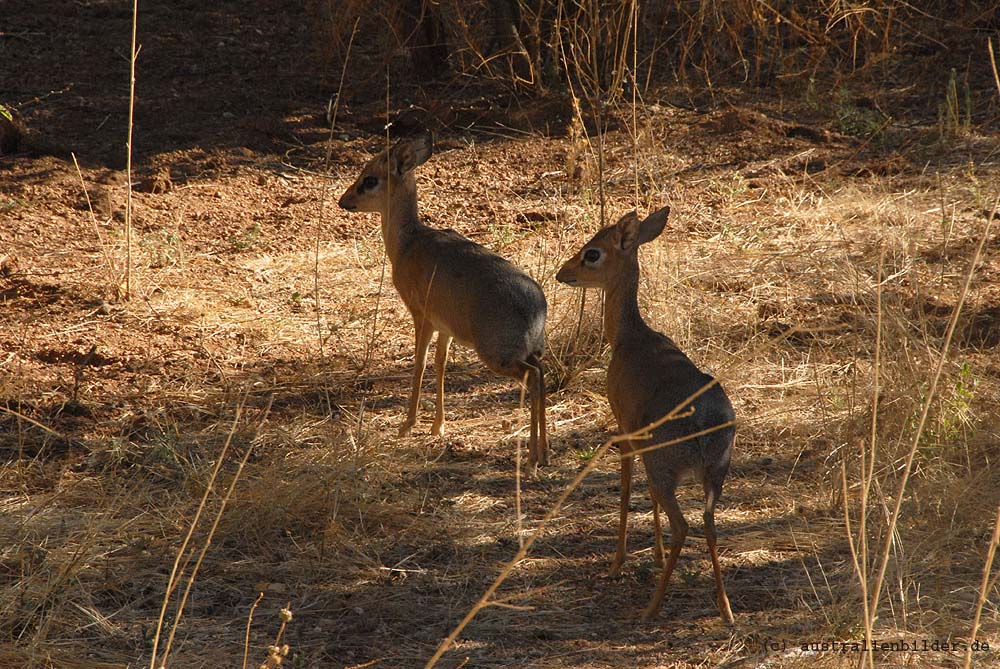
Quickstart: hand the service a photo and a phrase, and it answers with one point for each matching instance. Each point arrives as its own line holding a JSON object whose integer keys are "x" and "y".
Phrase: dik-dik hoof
{"x": 538, "y": 456}
{"x": 726, "y": 612}
{"x": 659, "y": 560}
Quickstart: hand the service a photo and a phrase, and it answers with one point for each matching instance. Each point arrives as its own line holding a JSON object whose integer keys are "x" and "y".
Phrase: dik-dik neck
{"x": 401, "y": 214}
{"x": 621, "y": 306}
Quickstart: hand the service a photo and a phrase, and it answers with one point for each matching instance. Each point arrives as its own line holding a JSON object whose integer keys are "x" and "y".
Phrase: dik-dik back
{"x": 477, "y": 297}
{"x": 670, "y": 379}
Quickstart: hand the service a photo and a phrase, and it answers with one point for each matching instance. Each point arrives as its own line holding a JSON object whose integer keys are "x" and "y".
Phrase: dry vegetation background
{"x": 223, "y": 357}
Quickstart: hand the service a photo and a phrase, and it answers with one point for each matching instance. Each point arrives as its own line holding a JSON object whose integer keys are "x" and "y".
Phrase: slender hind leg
{"x": 531, "y": 374}
{"x": 440, "y": 362}
{"x": 626, "y": 493}
{"x": 424, "y": 331}
{"x": 538, "y": 411}
{"x": 658, "y": 535}
{"x": 527, "y": 381}
{"x": 712, "y": 492}
{"x": 678, "y": 533}
{"x": 523, "y": 372}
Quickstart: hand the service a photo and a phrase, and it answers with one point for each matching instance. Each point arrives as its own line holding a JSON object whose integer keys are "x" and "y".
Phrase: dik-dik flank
{"x": 648, "y": 377}
{"x": 454, "y": 287}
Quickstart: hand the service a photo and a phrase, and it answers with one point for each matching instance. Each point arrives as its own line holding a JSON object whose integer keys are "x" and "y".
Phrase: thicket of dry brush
{"x": 609, "y": 44}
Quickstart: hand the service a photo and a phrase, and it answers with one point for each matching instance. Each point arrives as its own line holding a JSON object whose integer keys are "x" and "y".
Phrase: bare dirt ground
{"x": 261, "y": 317}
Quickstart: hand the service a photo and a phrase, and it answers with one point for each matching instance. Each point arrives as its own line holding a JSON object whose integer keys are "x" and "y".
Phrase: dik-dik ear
{"x": 653, "y": 224}
{"x": 627, "y": 231}
{"x": 406, "y": 155}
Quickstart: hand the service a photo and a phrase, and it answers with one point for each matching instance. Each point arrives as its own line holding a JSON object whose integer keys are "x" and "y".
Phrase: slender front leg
{"x": 440, "y": 362}
{"x": 424, "y": 331}
{"x": 626, "y": 474}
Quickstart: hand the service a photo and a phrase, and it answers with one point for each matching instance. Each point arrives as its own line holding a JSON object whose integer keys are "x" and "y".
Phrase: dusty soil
{"x": 258, "y": 317}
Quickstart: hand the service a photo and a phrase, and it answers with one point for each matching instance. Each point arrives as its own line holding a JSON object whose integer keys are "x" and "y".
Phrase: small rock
{"x": 8, "y": 264}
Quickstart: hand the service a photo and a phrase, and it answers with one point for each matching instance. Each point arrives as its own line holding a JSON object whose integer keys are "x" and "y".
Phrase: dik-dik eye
{"x": 369, "y": 183}
{"x": 592, "y": 256}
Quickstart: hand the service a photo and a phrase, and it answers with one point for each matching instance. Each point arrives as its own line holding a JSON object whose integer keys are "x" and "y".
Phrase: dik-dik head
{"x": 387, "y": 174}
{"x": 612, "y": 251}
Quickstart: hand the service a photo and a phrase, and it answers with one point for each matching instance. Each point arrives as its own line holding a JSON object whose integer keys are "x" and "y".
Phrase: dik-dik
{"x": 648, "y": 377}
{"x": 454, "y": 287}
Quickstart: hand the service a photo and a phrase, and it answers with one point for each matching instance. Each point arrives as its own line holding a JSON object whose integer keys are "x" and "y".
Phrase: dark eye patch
{"x": 368, "y": 183}
{"x": 591, "y": 255}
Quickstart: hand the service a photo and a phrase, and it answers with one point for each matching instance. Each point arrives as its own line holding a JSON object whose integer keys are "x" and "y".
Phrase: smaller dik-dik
{"x": 454, "y": 287}
{"x": 649, "y": 377}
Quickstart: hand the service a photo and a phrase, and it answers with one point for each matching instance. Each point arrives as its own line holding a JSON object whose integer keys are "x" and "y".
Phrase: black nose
{"x": 347, "y": 205}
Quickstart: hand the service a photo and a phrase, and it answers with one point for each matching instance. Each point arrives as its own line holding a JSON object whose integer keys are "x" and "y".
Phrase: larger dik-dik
{"x": 454, "y": 287}
{"x": 648, "y": 378}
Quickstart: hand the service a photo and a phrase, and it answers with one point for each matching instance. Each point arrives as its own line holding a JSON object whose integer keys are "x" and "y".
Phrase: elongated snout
{"x": 567, "y": 273}
{"x": 347, "y": 200}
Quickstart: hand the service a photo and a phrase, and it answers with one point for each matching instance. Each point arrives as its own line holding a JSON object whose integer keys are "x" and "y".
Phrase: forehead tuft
{"x": 378, "y": 163}
{"x": 632, "y": 216}
{"x": 604, "y": 234}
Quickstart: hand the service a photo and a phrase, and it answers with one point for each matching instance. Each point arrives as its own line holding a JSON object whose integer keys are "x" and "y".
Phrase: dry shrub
{"x": 576, "y": 341}
{"x": 605, "y": 45}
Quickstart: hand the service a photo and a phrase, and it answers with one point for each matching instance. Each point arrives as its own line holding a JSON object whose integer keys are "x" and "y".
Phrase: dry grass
{"x": 257, "y": 338}
{"x": 379, "y": 538}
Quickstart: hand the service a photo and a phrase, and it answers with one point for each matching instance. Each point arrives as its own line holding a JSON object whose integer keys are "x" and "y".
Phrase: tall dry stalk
{"x": 984, "y": 587}
{"x": 859, "y": 547}
{"x": 868, "y": 458}
{"x": 635, "y": 108}
{"x": 177, "y": 571}
{"x": 246, "y": 638}
{"x": 335, "y": 107}
{"x": 105, "y": 250}
{"x": 993, "y": 63}
{"x": 370, "y": 344}
{"x": 204, "y": 551}
{"x": 133, "y": 55}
